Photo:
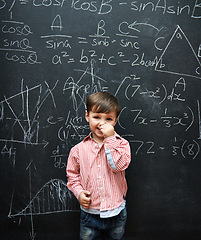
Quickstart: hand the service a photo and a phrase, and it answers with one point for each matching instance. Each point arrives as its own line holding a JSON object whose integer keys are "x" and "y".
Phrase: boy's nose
{"x": 102, "y": 121}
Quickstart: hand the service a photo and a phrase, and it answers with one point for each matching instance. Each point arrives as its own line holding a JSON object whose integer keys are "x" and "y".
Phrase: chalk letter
{"x": 164, "y": 6}
{"x": 101, "y": 26}
{"x": 194, "y": 9}
{"x": 105, "y": 4}
{"x": 57, "y": 23}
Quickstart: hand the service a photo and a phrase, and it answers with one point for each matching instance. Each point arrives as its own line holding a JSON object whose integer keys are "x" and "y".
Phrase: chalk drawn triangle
{"x": 179, "y": 57}
{"x": 18, "y": 116}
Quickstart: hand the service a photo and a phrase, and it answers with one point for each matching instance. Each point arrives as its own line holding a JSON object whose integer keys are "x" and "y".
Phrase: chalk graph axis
{"x": 173, "y": 59}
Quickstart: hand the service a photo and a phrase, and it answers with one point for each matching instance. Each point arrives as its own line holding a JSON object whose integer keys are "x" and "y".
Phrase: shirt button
{"x": 103, "y": 200}
{"x": 99, "y": 165}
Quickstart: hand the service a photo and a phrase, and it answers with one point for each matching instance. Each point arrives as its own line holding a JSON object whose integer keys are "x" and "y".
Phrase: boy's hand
{"x": 107, "y": 130}
{"x": 84, "y": 199}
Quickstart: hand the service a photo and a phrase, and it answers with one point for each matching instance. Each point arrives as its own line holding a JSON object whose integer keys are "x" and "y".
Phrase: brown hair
{"x": 103, "y": 102}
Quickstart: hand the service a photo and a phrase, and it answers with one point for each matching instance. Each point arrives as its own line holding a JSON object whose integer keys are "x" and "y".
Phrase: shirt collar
{"x": 88, "y": 137}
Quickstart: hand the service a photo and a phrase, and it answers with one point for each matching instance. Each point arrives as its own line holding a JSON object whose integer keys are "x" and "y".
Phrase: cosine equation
{"x": 62, "y": 47}
{"x": 18, "y": 49}
{"x": 104, "y": 7}
{"x": 127, "y": 39}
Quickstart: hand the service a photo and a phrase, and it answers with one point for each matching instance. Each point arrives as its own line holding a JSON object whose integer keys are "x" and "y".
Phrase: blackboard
{"x": 54, "y": 53}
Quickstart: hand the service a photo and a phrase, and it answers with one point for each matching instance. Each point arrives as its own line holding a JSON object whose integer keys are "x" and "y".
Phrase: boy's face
{"x": 98, "y": 120}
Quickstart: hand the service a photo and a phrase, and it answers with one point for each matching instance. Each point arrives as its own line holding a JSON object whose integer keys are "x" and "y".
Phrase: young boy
{"x": 96, "y": 171}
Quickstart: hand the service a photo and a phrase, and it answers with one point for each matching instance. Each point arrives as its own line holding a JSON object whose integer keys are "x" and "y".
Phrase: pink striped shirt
{"x": 100, "y": 170}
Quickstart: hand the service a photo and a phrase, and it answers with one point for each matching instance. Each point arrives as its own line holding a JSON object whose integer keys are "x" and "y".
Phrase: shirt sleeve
{"x": 73, "y": 173}
{"x": 118, "y": 153}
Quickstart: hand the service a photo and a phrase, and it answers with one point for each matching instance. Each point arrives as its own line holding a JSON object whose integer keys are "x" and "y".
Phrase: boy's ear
{"x": 87, "y": 116}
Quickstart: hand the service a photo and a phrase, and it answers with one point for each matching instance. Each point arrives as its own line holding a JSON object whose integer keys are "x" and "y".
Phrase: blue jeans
{"x": 94, "y": 227}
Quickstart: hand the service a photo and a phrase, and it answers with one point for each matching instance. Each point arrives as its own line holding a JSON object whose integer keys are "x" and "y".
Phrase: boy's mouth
{"x": 99, "y": 129}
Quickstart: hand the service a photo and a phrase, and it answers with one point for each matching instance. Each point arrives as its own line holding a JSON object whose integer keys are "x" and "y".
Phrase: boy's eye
{"x": 109, "y": 119}
{"x": 96, "y": 117}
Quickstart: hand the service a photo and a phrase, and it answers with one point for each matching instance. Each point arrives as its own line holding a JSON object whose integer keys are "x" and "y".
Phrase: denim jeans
{"x": 94, "y": 227}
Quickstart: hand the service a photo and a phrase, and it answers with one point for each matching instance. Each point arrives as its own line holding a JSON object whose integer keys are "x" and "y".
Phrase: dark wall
{"x": 54, "y": 54}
